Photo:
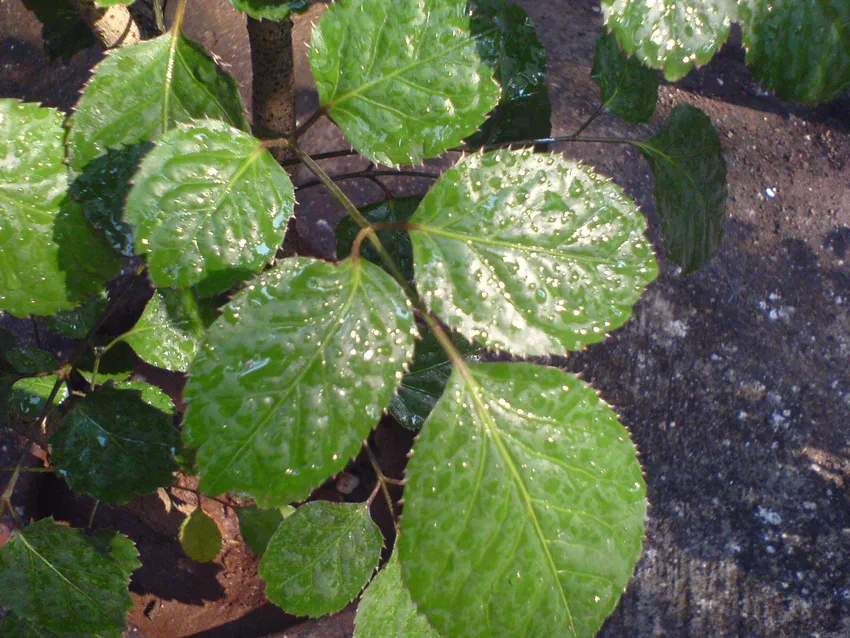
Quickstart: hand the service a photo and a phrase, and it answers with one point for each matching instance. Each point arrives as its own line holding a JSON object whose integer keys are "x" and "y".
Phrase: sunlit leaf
{"x": 671, "y": 35}
{"x": 111, "y": 3}
{"x": 403, "y": 79}
{"x": 113, "y": 445}
{"x": 294, "y": 375}
{"x": 151, "y": 395}
{"x": 142, "y": 90}
{"x": 28, "y": 397}
{"x": 200, "y": 537}
{"x": 690, "y": 185}
{"x": 629, "y": 89}
{"x": 524, "y": 506}
{"x": 208, "y": 200}
{"x": 257, "y": 525}
{"x": 63, "y": 31}
{"x": 61, "y": 579}
{"x": 271, "y": 9}
{"x": 529, "y": 253}
{"x": 78, "y": 322}
{"x": 321, "y": 557}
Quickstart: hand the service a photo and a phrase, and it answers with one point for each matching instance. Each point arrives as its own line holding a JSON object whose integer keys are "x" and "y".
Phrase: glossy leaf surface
{"x": 76, "y": 323}
{"x": 321, "y": 557}
{"x": 271, "y": 9}
{"x": 66, "y": 581}
{"x": 151, "y": 395}
{"x": 386, "y": 609}
{"x": 800, "y": 49}
{"x": 403, "y": 79}
{"x": 629, "y": 89}
{"x": 200, "y": 537}
{"x": 113, "y": 445}
{"x": 142, "y": 90}
{"x": 257, "y": 525}
{"x": 29, "y": 396}
{"x": 671, "y": 35}
{"x": 690, "y": 185}
{"x": 294, "y": 375}
{"x": 524, "y": 506}
{"x": 49, "y": 257}
{"x": 208, "y": 200}
{"x": 529, "y": 253}
{"x": 30, "y": 360}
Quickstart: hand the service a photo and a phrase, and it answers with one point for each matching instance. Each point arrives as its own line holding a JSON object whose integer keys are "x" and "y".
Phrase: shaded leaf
{"x": 13, "y": 626}
{"x": 321, "y": 557}
{"x": 403, "y": 79}
{"x": 294, "y": 375}
{"x": 200, "y": 537}
{"x": 63, "y": 31}
{"x": 7, "y": 341}
{"x": 533, "y": 468}
{"x": 629, "y": 89}
{"x": 271, "y": 9}
{"x": 141, "y": 90}
{"x": 76, "y": 323}
{"x": 208, "y": 200}
{"x": 690, "y": 185}
{"x": 115, "y": 365}
{"x": 112, "y": 445}
{"x": 59, "y": 578}
{"x": 30, "y": 360}
{"x": 671, "y": 35}
{"x": 28, "y": 397}
{"x": 529, "y": 253}
{"x": 257, "y": 525}
{"x": 386, "y": 609}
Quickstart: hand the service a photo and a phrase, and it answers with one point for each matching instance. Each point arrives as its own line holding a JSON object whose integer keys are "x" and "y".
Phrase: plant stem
{"x": 347, "y": 152}
{"x": 91, "y": 516}
{"x": 382, "y": 481}
{"x": 179, "y": 14}
{"x": 370, "y": 174}
{"x": 589, "y": 120}
{"x": 315, "y": 117}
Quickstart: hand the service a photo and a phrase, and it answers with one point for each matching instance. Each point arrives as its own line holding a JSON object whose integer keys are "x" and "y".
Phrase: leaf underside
{"x": 629, "y": 89}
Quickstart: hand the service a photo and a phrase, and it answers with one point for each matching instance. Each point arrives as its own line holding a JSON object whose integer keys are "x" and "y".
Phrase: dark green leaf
{"x": 690, "y": 185}
{"x": 115, "y": 365}
{"x": 200, "y": 537}
{"x": 151, "y": 395}
{"x": 508, "y": 42}
{"x": 529, "y": 253}
{"x": 207, "y": 200}
{"x": 63, "y": 31}
{"x": 30, "y": 360}
{"x": 76, "y": 323}
{"x": 294, "y": 375}
{"x": 142, "y": 90}
{"x": 321, "y": 557}
{"x": 402, "y": 79}
{"x": 271, "y": 9}
{"x": 112, "y": 445}
{"x": 629, "y": 89}
{"x": 29, "y": 396}
{"x": 7, "y": 341}
{"x": 800, "y": 49}
{"x": 527, "y": 464}
{"x": 59, "y": 578}
{"x": 257, "y": 525}
{"x": 13, "y": 626}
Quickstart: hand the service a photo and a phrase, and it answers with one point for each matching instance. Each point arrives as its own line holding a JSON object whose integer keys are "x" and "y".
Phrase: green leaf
{"x": 690, "y": 185}
{"x": 169, "y": 332}
{"x": 151, "y": 395}
{"x": 208, "y": 199}
{"x": 13, "y": 626}
{"x": 321, "y": 557}
{"x": 200, "y": 537}
{"x": 7, "y": 341}
{"x": 527, "y": 464}
{"x": 800, "y": 49}
{"x": 111, "y": 3}
{"x": 529, "y": 253}
{"x": 257, "y": 525}
{"x": 29, "y": 396}
{"x": 30, "y": 360}
{"x": 629, "y": 89}
{"x": 63, "y": 31}
{"x": 403, "y": 79}
{"x": 115, "y": 365}
{"x": 294, "y": 375}
{"x": 672, "y": 35}
{"x": 386, "y": 609}
{"x": 49, "y": 257}
{"x": 508, "y": 42}
{"x": 426, "y": 379}
{"x": 271, "y": 9}
{"x": 112, "y": 445}
{"x": 142, "y": 90}
{"x": 396, "y": 242}
{"x": 78, "y": 322}
{"x": 59, "y": 578}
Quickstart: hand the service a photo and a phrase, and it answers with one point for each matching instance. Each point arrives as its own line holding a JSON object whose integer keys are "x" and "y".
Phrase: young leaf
{"x": 76, "y": 323}
{"x": 169, "y": 332}
{"x": 208, "y": 200}
{"x": 61, "y": 579}
{"x": 142, "y": 90}
{"x": 257, "y": 526}
{"x": 271, "y": 9}
{"x": 386, "y": 609}
{"x": 800, "y": 49}
{"x": 529, "y": 253}
{"x": 321, "y": 557}
{"x": 294, "y": 375}
{"x": 524, "y": 506}
{"x": 29, "y": 396}
{"x": 63, "y": 31}
{"x": 49, "y": 257}
{"x": 200, "y": 537}
{"x": 672, "y": 35}
{"x": 508, "y": 42}
{"x": 403, "y": 79}
{"x": 629, "y": 89}
{"x": 112, "y": 445}
{"x": 690, "y": 185}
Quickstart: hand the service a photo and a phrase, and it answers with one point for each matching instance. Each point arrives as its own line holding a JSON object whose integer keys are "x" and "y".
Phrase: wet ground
{"x": 735, "y": 381}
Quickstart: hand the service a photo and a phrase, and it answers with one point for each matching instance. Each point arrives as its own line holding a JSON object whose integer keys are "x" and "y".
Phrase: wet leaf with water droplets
{"x": 271, "y": 9}
{"x": 76, "y": 323}
{"x": 690, "y": 185}
{"x": 258, "y": 525}
{"x": 529, "y": 253}
{"x": 403, "y": 79}
{"x": 29, "y": 396}
{"x": 200, "y": 537}
{"x": 321, "y": 557}
{"x": 294, "y": 375}
{"x": 629, "y": 89}
{"x": 525, "y": 463}
{"x": 208, "y": 200}
{"x": 30, "y": 360}
{"x": 151, "y": 395}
